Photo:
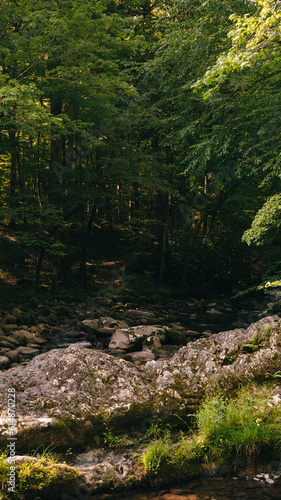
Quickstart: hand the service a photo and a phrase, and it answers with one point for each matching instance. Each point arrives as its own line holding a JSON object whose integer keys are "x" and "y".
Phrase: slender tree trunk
{"x": 13, "y": 174}
{"x": 39, "y": 266}
{"x": 163, "y": 217}
{"x": 83, "y": 261}
{"x": 163, "y": 253}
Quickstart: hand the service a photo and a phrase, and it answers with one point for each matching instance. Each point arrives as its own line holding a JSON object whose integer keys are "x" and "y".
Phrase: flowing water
{"x": 220, "y": 488}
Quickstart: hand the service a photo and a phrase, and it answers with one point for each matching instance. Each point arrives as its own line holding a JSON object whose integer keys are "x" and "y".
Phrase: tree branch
{"x": 38, "y": 58}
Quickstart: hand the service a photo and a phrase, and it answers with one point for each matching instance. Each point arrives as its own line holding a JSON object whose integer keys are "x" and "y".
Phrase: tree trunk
{"x": 163, "y": 217}
{"x": 13, "y": 174}
{"x": 38, "y": 267}
{"x": 163, "y": 253}
{"x": 83, "y": 261}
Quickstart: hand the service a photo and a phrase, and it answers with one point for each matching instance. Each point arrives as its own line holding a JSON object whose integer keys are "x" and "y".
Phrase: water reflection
{"x": 205, "y": 489}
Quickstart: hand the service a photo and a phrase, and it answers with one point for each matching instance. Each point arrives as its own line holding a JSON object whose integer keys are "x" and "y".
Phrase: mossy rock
{"x": 10, "y": 328}
{"x": 45, "y": 479}
{"x": 175, "y": 337}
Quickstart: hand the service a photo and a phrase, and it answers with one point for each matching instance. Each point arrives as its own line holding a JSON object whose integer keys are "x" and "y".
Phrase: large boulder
{"x": 134, "y": 337}
{"x": 224, "y": 360}
{"x": 67, "y": 396}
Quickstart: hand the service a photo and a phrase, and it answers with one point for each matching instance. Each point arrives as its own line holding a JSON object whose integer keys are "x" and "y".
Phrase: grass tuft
{"x": 232, "y": 432}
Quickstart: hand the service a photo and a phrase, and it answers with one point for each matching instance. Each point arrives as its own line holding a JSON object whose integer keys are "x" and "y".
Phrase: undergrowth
{"x": 231, "y": 431}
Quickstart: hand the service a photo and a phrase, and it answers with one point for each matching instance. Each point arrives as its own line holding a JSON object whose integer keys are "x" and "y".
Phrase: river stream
{"x": 219, "y": 488}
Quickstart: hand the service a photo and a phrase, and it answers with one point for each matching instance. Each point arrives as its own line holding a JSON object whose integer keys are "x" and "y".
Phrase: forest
{"x": 142, "y": 130}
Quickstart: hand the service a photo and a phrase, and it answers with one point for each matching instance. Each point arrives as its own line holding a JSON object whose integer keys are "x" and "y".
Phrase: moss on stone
{"x": 43, "y": 476}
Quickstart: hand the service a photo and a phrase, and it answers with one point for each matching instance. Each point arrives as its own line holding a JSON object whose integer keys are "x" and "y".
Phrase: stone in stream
{"x": 139, "y": 315}
{"x": 13, "y": 356}
{"x": 27, "y": 351}
{"x": 207, "y": 333}
{"x": 104, "y": 325}
{"x": 214, "y": 312}
{"x": 4, "y": 362}
{"x": 23, "y": 336}
{"x": 12, "y": 340}
{"x": 6, "y": 343}
{"x": 39, "y": 340}
{"x": 35, "y": 329}
{"x": 140, "y": 357}
{"x": 3, "y": 350}
{"x": 133, "y": 338}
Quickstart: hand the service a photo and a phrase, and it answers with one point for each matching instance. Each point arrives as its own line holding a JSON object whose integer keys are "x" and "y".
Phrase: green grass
{"x": 243, "y": 426}
{"x": 34, "y": 476}
{"x": 233, "y": 432}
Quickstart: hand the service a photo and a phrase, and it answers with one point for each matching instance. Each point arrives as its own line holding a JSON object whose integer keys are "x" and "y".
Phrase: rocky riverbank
{"x": 110, "y": 379}
{"x": 35, "y": 328}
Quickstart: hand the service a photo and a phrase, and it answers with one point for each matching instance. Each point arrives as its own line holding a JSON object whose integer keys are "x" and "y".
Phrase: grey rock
{"x": 74, "y": 384}
{"x": 13, "y": 356}
{"x": 6, "y": 343}
{"x": 4, "y": 362}
{"x": 86, "y": 461}
{"x": 141, "y": 316}
{"x": 23, "y": 336}
{"x": 13, "y": 341}
{"x": 120, "y": 340}
{"x": 133, "y": 338}
{"x": 140, "y": 357}
{"x": 27, "y": 351}
{"x": 104, "y": 325}
{"x": 222, "y": 358}
{"x": 39, "y": 340}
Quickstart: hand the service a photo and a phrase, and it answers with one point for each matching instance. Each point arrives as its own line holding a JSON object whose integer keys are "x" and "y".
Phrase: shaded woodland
{"x": 141, "y": 130}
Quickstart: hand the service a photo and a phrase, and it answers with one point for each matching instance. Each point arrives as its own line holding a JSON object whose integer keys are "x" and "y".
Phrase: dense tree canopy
{"x": 155, "y": 120}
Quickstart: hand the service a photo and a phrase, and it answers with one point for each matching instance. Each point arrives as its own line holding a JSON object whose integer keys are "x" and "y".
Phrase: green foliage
{"x": 35, "y": 474}
{"x": 101, "y": 128}
{"x": 157, "y": 430}
{"x": 266, "y": 223}
{"x": 4, "y": 467}
{"x": 245, "y": 425}
{"x": 229, "y": 431}
{"x": 159, "y": 450}
{"x": 111, "y": 440}
{"x": 255, "y": 39}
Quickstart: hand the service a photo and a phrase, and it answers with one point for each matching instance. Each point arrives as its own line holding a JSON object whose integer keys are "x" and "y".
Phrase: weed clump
{"x": 231, "y": 431}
